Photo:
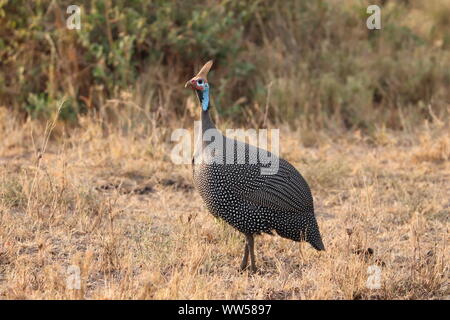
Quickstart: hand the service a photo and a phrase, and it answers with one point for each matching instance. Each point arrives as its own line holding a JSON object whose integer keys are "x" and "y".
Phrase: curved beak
{"x": 190, "y": 83}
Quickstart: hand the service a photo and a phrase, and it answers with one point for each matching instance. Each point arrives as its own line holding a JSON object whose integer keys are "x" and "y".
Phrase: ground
{"x": 111, "y": 206}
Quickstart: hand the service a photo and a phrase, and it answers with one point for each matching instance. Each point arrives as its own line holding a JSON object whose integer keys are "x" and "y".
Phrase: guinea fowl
{"x": 234, "y": 188}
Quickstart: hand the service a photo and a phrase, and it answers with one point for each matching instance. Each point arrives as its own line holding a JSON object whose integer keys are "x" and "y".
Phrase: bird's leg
{"x": 251, "y": 249}
{"x": 245, "y": 258}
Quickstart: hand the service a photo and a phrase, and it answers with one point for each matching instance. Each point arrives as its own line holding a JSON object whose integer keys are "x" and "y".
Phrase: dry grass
{"x": 113, "y": 204}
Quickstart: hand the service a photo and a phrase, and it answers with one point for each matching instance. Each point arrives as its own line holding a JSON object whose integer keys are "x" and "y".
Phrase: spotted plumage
{"x": 234, "y": 189}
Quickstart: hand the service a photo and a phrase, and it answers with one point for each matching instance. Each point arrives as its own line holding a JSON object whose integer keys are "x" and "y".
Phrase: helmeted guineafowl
{"x": 234, "y": 188}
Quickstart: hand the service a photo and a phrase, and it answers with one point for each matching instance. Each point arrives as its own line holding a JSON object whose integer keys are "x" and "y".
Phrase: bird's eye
{"x": 200, "y": 81}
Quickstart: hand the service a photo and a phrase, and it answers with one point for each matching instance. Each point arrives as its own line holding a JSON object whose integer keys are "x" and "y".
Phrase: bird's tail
{"x": 313, "y": 234}
{"x": 318, "y": 244}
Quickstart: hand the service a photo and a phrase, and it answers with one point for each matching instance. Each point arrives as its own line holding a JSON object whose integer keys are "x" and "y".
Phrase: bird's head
{"x": 200, "y": 85}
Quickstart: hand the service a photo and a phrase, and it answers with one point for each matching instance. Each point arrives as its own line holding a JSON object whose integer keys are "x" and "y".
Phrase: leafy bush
{"x": 306, "y": 60}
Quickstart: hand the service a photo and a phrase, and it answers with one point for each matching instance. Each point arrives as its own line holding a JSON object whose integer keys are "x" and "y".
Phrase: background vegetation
{"x": 89, "y": 183}
{"x": 309, "y": 62}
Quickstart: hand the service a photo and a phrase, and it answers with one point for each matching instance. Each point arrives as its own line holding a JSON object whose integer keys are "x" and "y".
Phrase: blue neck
{"x": 203, "y": 96}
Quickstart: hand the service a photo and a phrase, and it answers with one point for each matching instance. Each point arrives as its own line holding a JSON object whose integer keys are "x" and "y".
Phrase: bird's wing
{"x": 285, "y": 190}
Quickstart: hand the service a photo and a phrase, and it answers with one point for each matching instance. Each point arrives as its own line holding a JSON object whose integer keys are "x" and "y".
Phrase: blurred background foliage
{"x": 312, "y": 63}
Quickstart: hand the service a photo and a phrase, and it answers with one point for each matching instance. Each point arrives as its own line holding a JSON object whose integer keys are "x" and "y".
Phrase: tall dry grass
{"x": 110, "y": 202}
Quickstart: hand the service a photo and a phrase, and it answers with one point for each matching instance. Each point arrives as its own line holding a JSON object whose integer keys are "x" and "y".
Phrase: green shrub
{"x": 320, "y": 60}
